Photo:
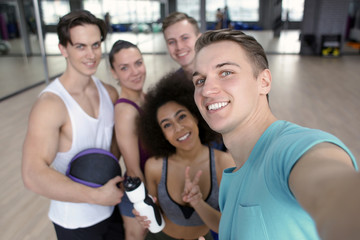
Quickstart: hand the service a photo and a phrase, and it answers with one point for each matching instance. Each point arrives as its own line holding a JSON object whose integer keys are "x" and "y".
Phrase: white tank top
{"x": 87, "y": 132}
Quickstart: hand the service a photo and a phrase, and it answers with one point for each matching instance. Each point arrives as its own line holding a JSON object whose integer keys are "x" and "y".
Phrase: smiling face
{"x": 178, "y": 125}
{"x": 227, "y": 92}
{"x": 129, "y": 69}
{"x": 84, "y": 55}
{"x": 180, "y": 40}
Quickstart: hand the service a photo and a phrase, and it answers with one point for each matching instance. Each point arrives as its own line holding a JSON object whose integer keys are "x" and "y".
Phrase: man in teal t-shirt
{"x": 289, "y": 182}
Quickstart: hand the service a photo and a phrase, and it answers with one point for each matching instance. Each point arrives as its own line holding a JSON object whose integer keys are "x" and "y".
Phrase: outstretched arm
{"x": 193, "y": 195}
{"x": 326, "y": 184}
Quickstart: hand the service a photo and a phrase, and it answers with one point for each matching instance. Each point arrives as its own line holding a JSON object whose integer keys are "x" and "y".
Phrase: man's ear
{"x": 264, "y": 79}
{"x": 63, "y": 50}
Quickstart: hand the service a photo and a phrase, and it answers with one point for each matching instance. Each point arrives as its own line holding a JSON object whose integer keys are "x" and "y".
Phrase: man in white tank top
{"x": 73, "y": 113}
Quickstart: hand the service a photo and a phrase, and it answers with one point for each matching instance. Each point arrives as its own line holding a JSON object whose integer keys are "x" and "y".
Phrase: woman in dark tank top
{"x": 185, "y": 171}
{"x": 128, "y": 68}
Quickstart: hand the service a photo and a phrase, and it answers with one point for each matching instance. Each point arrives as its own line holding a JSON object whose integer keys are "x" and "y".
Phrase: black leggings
{"x": 109, "y": 229}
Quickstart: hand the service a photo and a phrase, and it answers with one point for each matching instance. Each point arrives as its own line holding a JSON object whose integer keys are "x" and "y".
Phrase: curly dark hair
{"x": 172, "y": 87}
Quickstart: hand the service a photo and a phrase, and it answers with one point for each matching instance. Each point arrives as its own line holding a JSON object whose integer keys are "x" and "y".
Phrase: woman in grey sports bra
{"x": 184, "y": 173}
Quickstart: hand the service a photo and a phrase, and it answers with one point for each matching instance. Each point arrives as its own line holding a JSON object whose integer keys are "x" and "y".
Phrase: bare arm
{"x": 114, "y": 149}
{"x": 327, "y": 186}
{"x": 127, "y": 139}
{"x": 153, "y": 168}
{"x": 41, "y": 144}
{"x": 114, "y": 95}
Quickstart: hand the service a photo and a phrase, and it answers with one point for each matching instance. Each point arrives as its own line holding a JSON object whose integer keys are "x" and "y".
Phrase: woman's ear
{"x": 113, "y": 73}
{"x": 264, "y": 79}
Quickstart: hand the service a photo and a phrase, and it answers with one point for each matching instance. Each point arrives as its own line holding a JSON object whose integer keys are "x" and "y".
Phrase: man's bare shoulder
{"x": 49, "y": 106}
{"x": 114, "y": 95}
{"x": 49, "y": 99}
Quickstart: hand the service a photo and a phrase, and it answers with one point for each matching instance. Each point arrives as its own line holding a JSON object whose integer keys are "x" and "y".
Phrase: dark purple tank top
{"x": 143, "y": 154}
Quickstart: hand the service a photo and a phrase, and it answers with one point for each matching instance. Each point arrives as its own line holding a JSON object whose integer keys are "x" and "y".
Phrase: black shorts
{"x": 109, "y": 229}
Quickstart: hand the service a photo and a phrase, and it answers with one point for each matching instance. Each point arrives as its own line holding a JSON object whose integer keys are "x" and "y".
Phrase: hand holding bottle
{"x": 143, "y": 203}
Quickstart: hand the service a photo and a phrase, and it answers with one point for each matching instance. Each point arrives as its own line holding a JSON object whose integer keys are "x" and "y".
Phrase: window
{"x": 125, "y": 11}
{"x": 211, "y": 7}
{"x": 239, "y": 10}
{"x": 292, "y": 10}
{"x": 243, "y": 10}
{"x": 190, "y": 7}
{"x": 53, "y": 10}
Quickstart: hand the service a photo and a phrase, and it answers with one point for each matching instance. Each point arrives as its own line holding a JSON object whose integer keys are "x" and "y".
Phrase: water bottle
{"x": 143, "y": 203}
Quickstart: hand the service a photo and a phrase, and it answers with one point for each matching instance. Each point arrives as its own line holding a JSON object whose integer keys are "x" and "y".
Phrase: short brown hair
{"x": 253, "y": 49}
{"x": 77, "y": 18}
{"x": 177, "y": 17}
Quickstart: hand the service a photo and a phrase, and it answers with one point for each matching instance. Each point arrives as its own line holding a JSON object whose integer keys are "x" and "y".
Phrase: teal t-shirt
{"x": 256, "y": 201}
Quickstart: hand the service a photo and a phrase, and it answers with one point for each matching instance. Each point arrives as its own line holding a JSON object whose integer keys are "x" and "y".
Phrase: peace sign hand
{"x": 192, "y": 193}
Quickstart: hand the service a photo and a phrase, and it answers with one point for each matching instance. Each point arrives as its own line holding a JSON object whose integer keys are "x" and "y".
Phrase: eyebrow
{"x": 182, "y": 35}
{"x": 195, "y": 74}
{"x": 78, "y": 43}
{"x": 122, "y": 65}
{"x": 219, "y": 66}
{"x": 84, "y": 44}
{"x": 176, "y": 114}
{"x": 127, "y": 64}
{"x": 185, "y": 34}
{"x": 227, "y": 63}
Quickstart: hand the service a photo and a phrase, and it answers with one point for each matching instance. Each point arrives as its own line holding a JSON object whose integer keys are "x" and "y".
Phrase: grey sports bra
{"x": 184, "y": 215}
